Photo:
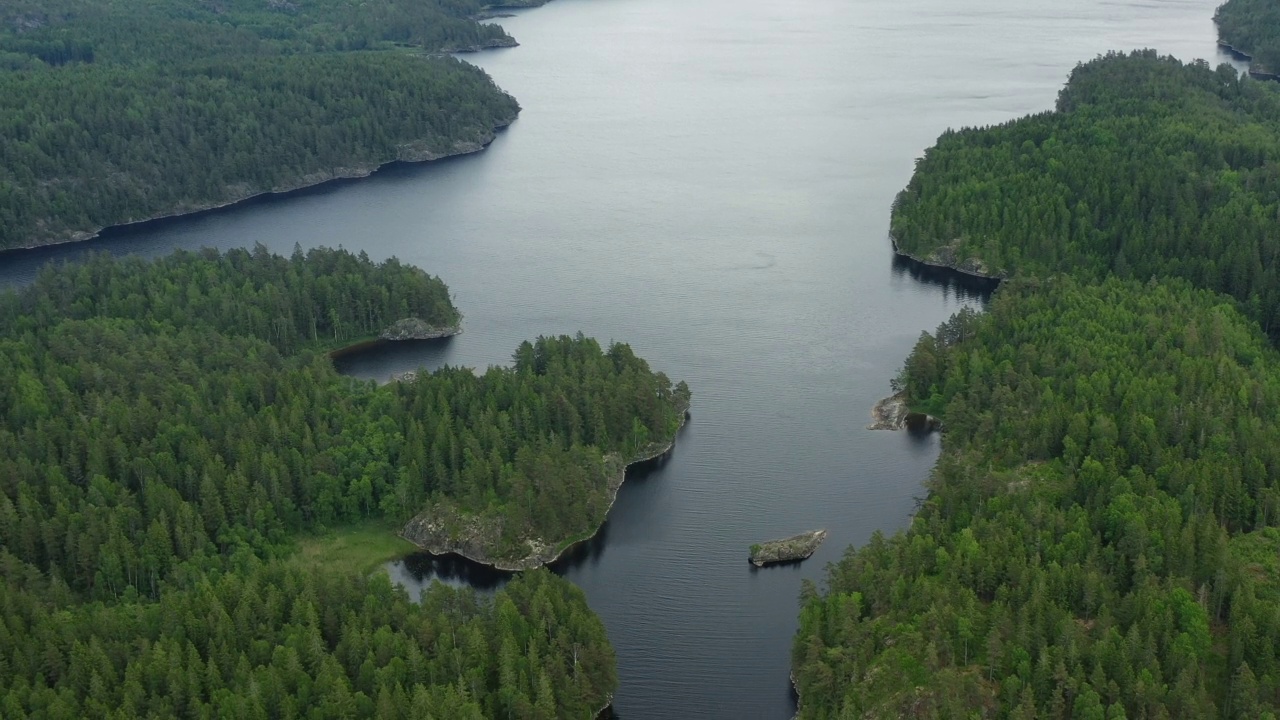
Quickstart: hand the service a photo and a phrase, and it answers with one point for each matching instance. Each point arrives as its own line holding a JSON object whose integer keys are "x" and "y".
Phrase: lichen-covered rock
{"x": 792, "y": 549}
{"x": 417, "y": 329}
{"x": 892, "y": 413}
{"x": 948, "y": 257}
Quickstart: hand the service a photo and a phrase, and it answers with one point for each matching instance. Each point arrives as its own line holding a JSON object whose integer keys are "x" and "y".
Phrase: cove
{"x": 710, "y": 182}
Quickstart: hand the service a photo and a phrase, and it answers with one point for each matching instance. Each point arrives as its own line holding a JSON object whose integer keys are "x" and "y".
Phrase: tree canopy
{"x": 1109, "y": 479}
{"x": 115, "y": 113}
{"x": 1148, "y": 166}
{"x": 170, "y": 427}
{"x": 1253, "y": 27}
{"x": 1100, "y": 534}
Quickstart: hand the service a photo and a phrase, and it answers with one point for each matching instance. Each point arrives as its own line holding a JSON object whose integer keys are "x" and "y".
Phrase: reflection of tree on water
{"x": 416, "y": 572}
{"x": 590, "y": 552}
{"x": 962, "y": 285}
{"x": 587, "y": 552}
{"x": 387, "y": 358}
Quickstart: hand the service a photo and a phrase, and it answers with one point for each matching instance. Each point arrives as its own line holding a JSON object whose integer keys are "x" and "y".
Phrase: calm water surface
{"x": 710, "y": 182}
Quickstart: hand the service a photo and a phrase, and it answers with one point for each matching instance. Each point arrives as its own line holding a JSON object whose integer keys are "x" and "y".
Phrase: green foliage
{"x": 85, "y": 147}
{"x": 528, "y": 452}
{"x": 111, "y": 114}
{"x": 169, "y": 430}
{"x": 1099, "y": 540}
{"x": 1103, "y": 504}
{"x": 152, "y": 402}
{"x": 1148, "y": 167}
{"x": 62, "y": 32}
{"x": 274, "y": 640}
{"x": 1253, "y": 27}
{"x": 358, "y": 548}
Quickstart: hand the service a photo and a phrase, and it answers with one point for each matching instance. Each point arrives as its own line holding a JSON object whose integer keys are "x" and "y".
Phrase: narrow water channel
{"x": 711, "y": 183}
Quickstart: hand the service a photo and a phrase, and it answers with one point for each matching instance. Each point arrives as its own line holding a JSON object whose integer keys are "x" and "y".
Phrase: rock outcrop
{"x": 416, "y": 329}
{"x": 892, "y": 413}
{"x": 948, "y": 257}
{"x": 792, "y": 549}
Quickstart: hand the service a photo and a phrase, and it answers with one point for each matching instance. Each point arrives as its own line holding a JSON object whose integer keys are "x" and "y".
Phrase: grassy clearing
{"x": 357, "y": 548}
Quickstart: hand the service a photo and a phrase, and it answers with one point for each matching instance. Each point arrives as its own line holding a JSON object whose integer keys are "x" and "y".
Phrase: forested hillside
{"x": 1147, "y": 167}
{"x": 1253, "y": 27}
{"x": 111, "y": 113}
{"x": 168, "y": 429}
{"x": 1098, "y": 539}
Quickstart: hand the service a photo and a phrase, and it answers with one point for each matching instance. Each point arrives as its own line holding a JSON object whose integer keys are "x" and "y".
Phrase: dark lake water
{"x": 711, "y": 183}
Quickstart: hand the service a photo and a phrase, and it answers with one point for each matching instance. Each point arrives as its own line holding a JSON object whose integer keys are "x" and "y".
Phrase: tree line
{"x": 112, "y": 114}
{"x": 172, "y": 425}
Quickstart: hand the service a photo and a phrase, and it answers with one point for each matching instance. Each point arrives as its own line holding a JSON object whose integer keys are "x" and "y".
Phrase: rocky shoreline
{"x": 417, "y": 329}
{"x": 795, "y": 689}
{"x": 1235, "y": 52}
{"x": 603, "y": 713}
{"x": 412, "y": 152}
{"x": 491, "y": 44}
{"x": 515, "y": 5}
{"x": 435, "y": 538}
{"x": 945, "y": 258}
{"x": 401, "y": 331}
{"x": 1256, "y": 71}
{"x": 892, "y": 413}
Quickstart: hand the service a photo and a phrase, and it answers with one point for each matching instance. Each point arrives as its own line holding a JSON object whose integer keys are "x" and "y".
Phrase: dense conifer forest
{"x": 113, "y": 113}
{"x": 1100, "y": 535}
{"x": 1098, "y": 540}
{"x": 171, "y": 428}
{"x": 1253, "y": 27}
{"x": 1147, "y": 167}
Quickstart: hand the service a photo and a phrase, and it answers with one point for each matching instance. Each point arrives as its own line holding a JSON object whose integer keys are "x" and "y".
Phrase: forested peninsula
{"x": 111, "y": 114}
{"x": 1252, "y": 27}
{"x": 1148, "y": 166}
{"x": 1099, "y": 539}
{"x": 173, "y": 431}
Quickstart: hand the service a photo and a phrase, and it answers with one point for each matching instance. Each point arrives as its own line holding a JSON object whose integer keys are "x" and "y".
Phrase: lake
{"x": 711, "y": 183}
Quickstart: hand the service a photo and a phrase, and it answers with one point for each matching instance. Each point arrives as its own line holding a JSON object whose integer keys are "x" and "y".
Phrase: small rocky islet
{"x": 792, "y": 549}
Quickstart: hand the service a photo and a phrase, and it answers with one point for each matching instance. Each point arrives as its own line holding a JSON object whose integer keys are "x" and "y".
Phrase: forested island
{"x": 1099, "y": 537}
{"x": 173, "y": 432}
{"x": 115, "y": 113}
